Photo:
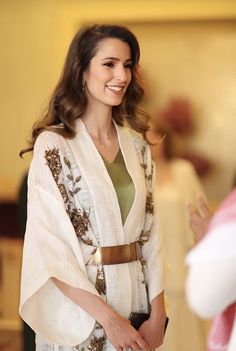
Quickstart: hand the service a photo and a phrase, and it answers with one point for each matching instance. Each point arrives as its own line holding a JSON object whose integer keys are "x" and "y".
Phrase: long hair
{"x": 68, "y": 101}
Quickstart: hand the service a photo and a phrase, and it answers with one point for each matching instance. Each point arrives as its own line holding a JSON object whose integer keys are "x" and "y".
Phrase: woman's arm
{"x": 152, "y": 330}
{"x": 118, "y": 329}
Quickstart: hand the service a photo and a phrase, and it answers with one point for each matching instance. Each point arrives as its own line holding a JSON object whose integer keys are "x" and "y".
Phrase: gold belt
{"x": 116, "y": 254}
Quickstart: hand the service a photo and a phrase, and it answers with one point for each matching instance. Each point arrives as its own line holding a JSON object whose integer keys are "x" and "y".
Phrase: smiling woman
{"x": 92, "y": 250}
{"x": 106, "y": 81}
{"x": 110, "y": 68}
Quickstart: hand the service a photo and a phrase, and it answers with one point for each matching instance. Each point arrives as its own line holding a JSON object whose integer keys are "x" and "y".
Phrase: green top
{"x": 123, "y": 184}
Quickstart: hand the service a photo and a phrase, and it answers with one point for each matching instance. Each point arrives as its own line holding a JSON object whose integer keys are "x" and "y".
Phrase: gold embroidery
{"x": 63, "y": 192}
{"x": 54, "y": 162}
{"x": 144, "y": 237}
{"x": 81, "y": 224}
{"x": 144, "y": 265}
{"x": 97, "y": 343}
{"x": 100, "y": 284}
{"x": 98, "y": 326}
{"x": 80, "y": 221}
{"x": 77, "y": 347}
{"x": 79, "y": 218}
{"x": 149, "y": 204}
{"x": 74, "y": 182}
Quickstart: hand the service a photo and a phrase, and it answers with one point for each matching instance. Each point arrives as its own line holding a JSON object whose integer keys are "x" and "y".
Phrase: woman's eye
{"x": 109, "y": 64}
{"x": 128, "y": 65}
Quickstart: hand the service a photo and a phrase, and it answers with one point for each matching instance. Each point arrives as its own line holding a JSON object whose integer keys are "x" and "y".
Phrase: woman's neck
{"x": 98, "y": 121}
{"x": 102, "y": 131}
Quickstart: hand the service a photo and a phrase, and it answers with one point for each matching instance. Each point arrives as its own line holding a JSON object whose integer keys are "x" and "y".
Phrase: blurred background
{"x": 188, "y": 64}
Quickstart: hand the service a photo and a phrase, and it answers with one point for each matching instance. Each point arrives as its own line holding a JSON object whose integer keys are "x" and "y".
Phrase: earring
{"x": 83, "y": 85}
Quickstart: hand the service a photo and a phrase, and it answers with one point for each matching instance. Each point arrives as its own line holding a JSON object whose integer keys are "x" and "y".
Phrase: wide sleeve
{"x": 152, "y": 249}
{"x": 51, "y": 249}
{"x": 211, "y": 280}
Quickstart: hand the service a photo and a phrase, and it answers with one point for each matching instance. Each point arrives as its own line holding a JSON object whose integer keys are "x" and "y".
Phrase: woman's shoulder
{"x": 48, "y": 140}
{"x": 138, "y": 138}
{"x": 50, "y": 147}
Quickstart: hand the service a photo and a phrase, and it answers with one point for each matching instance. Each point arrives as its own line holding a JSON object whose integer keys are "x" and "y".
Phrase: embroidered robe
{"x": 72, "y": 210}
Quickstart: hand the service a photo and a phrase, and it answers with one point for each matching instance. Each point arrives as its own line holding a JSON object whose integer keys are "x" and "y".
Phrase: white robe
{"x": 186, "y": 332}
{"x": 70, "y": 192}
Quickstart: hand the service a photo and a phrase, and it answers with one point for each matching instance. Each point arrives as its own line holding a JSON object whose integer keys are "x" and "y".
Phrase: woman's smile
{"x": 109, "y": 73}
{"x": 117, "y": 89}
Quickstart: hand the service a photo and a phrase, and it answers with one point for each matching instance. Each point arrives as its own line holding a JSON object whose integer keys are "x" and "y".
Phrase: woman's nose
{"x": 121, "y": 74}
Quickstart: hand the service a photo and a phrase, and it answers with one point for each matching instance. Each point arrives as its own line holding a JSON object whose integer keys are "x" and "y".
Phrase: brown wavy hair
{"x": 68, "y": 101}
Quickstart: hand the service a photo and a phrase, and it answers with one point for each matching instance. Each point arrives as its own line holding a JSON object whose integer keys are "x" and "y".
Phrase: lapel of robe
{"x": 103, "y": 194}
{"x": 135, "y": 220}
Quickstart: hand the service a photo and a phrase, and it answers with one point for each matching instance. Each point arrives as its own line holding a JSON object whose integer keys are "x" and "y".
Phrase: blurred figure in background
{"x": 177, "y": 185}
{"x": 211, "y": 280}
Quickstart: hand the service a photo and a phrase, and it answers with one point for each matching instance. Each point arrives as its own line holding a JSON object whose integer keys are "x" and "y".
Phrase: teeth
{"x": 114, "y": 88}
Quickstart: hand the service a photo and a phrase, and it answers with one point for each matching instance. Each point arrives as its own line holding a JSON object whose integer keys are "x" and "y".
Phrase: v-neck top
{"x": 122, "y": 182}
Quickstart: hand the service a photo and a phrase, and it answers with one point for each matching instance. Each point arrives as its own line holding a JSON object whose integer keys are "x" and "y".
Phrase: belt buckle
{"x": 116, "y": 254}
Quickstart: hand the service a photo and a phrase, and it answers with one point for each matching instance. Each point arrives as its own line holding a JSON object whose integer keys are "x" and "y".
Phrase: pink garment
{"x": 222, "y": 325}
{"x": 226, "y": 212}
{"x": 220, "y": 332}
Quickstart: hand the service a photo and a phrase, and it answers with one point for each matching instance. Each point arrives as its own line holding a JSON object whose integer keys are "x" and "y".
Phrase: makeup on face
{"x": 109, "y": 72}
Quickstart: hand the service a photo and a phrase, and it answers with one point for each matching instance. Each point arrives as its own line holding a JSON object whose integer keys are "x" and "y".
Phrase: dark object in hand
{"x": 137, "y": 319}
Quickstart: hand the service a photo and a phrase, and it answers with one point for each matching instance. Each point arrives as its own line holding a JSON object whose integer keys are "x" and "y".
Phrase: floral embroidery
{"x": 98, "y": 326}
{"x": 78, "y": 217}
{"x": 144, "y": 266}
{"x": 63, "y": 192}
{"x": 148, "y": 178}
{"x": 54, "y": 162}
{"x": 81, "y": 224}
{"x": 144, "y": 237}
{"x": 149, "y": 209}
{"x": 100, "y": 284}
{"x": 97, "y": 343}
{"x": 68, "y": 186}
{"x": 149, "y": 204}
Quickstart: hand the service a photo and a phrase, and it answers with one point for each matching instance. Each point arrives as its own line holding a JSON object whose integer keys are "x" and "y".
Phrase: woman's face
{"x": 109, "y": 73}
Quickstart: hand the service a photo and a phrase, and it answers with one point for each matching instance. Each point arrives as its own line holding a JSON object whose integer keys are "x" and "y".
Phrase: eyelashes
{"x": 111, "y": 65}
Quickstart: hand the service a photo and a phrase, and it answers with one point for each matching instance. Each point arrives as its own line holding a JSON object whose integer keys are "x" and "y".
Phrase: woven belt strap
{"x": 116, "y": 254}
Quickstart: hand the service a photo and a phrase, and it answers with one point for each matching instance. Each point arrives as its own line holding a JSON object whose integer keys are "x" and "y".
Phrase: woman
{"x": 177, "y": 184}
{"x": 92, "y": 248}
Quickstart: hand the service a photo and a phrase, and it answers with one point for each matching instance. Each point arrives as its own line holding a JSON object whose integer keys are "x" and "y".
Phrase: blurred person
{"x": 92, "y": 254}
{"x": 177, "y": 184}
{"x": 211, "y": 280}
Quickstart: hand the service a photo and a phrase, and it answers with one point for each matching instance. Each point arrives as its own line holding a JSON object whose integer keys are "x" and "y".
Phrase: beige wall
{"x": 197, "y": 60}
{"x": 35, "y": 36}
{"x": 29, "y": 70}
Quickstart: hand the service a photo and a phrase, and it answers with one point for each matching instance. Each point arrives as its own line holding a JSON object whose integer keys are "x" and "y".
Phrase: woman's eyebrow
{"x": 114, "y": 58}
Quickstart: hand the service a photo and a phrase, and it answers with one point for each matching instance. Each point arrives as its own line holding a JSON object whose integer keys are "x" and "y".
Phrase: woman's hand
{"x": 118, "y": 330}
{"x": 199, "y": 219}
{"x": 122, "y": 335}
{"x": 152, "y": 331}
